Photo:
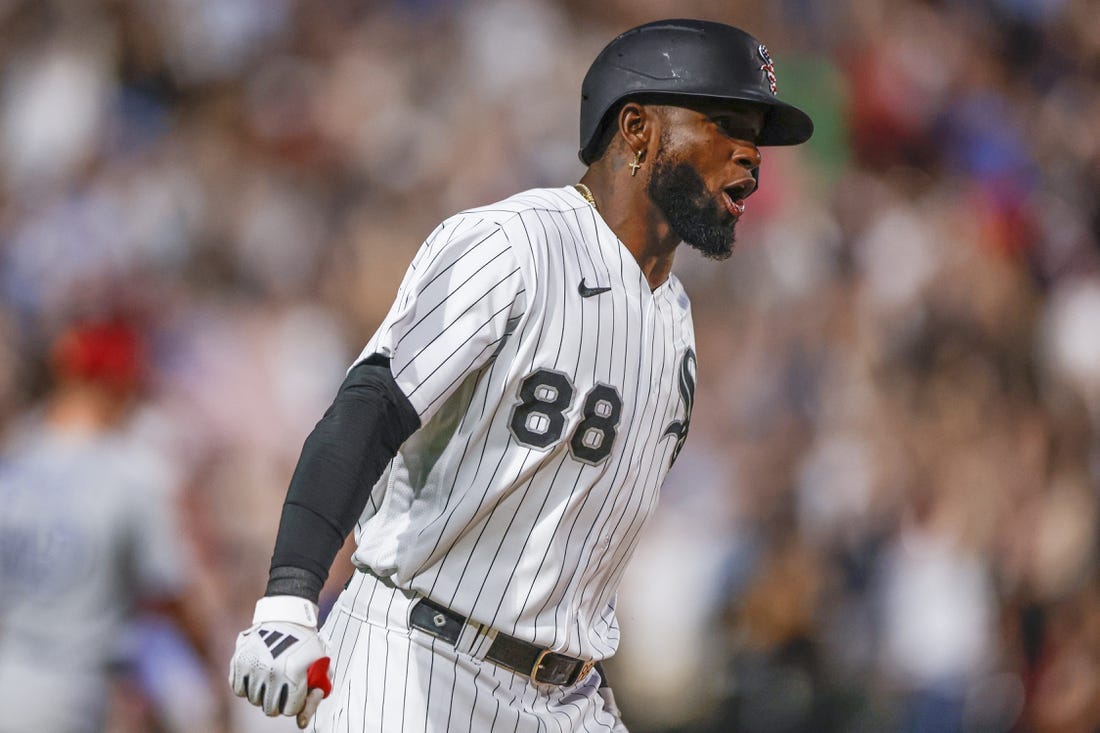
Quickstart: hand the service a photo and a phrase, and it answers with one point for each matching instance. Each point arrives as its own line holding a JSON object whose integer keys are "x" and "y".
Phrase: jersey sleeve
{"x": 462, "y": 295}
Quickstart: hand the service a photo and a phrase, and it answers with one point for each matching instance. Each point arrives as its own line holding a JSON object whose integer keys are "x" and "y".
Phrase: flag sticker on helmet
{"x": 768, "y": 68}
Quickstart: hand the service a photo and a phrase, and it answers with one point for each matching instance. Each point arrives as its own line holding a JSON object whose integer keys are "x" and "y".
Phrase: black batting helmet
{"x": 686, "y": 59}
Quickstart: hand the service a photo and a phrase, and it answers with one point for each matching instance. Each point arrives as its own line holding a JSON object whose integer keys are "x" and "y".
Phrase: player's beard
{"x": 690, "y": 210}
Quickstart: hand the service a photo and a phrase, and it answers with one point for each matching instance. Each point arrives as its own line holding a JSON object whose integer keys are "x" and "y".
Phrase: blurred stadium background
{"x": 886, "y": 518}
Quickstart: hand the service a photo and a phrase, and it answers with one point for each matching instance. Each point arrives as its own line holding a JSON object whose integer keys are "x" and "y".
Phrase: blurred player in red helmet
{"x": 88, "y": 533}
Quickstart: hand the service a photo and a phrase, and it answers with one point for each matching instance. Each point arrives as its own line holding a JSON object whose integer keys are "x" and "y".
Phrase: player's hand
{"x": 280, "y": 663}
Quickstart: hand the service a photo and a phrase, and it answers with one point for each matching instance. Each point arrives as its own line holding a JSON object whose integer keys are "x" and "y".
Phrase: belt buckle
{"x": 582, "y": 670}
{"x": 537, "y": 666}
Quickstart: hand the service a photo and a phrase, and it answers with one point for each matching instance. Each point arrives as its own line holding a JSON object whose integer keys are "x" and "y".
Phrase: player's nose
{"x": 747, "y": 156}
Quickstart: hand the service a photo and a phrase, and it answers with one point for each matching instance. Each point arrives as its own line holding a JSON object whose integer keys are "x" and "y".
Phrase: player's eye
{"x": 734, "y": 128}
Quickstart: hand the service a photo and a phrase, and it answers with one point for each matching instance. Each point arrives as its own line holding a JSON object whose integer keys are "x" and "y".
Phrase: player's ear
{"x": 638, "y": 127}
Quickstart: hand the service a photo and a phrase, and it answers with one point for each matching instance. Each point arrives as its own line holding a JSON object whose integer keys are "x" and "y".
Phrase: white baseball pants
{"x": 390, "y": 678}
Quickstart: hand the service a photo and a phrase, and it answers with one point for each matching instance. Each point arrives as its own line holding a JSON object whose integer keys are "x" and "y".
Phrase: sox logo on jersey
{"x": 686, "y": 386}
{"x": 554, "y": 390}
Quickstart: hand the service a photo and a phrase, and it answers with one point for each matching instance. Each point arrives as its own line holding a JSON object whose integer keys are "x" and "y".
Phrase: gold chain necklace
{"x": 583, "y": 190}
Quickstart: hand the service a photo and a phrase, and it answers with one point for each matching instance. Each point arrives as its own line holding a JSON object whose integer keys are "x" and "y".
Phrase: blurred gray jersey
{"x": 554, "y": 390}
{"x": 86, "y": 527}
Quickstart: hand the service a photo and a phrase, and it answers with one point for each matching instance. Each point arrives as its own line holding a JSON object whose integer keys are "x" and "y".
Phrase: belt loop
{"x": 482, "y": 639}
{"x": 472, "y": 640}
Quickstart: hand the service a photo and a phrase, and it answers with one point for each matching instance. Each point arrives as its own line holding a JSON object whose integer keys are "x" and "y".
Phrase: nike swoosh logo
{"x": 587, "y": 292}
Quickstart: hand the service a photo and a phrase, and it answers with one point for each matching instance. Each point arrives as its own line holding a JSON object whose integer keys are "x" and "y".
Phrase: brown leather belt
{"x": 542, "y": 666}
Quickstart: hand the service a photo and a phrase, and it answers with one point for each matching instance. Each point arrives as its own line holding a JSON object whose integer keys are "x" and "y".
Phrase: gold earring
{"x": 637, "y": 163}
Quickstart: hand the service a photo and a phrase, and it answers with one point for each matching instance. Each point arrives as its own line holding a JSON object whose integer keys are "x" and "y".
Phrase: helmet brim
{"x": 784, "y": 123}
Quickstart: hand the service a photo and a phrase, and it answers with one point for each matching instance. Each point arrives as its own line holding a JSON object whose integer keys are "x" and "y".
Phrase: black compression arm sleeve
{"x": 341, "y": 461}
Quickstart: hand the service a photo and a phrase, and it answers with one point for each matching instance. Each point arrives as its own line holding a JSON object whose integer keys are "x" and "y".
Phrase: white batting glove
{"x": 280, "y": 663}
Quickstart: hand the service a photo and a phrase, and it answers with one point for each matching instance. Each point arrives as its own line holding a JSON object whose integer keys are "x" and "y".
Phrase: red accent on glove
{"x": 317, "y": 676}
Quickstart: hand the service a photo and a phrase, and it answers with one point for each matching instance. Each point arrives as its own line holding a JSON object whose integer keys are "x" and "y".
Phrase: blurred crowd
{"x": 886, "y": 517}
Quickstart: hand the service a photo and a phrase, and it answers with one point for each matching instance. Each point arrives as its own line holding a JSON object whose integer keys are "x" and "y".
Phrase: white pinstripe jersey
{"x": 549, "y": 419}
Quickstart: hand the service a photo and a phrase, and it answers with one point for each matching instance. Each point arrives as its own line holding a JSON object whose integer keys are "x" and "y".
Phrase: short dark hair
{"x": 605, "y": 133}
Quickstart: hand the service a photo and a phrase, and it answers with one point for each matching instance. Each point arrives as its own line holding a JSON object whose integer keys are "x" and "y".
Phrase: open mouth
{"x": 734, "y": 196}
{"x": 734, "y": 201}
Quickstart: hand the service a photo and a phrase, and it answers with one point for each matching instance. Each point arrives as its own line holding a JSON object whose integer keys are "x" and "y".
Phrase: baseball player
{"x": 88, "y": 532}
{"x": 502, "y": 438}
